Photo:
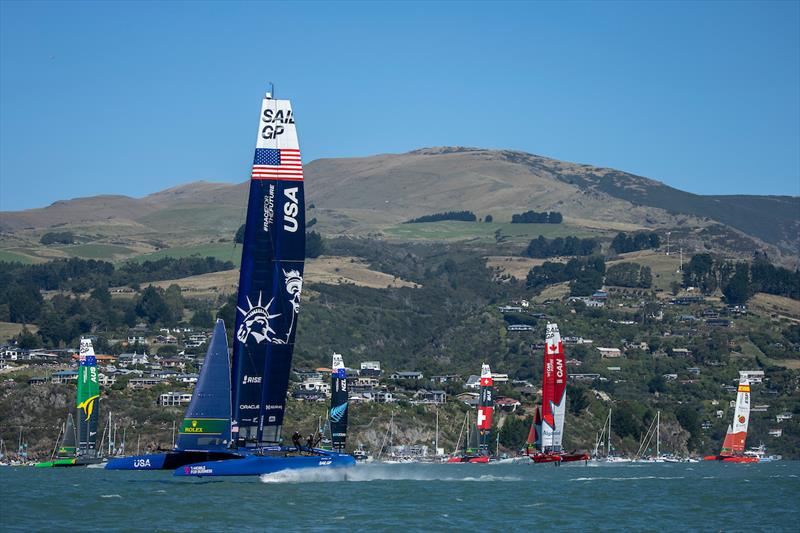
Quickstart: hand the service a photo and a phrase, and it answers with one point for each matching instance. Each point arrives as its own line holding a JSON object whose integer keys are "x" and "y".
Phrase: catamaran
{"x": 733, "y": 450}
{"x": 205, "y": 434}
{"x": 87, "y": 412}
{"x": 548, "y": 425}
{"x": 476, "y": 449}
{"x": 270, "y": 282}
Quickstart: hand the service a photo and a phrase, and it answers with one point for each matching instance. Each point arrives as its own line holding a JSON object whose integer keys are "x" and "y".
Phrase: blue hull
{"x": 168, "y": 460}
{"x": 254, "y": 465}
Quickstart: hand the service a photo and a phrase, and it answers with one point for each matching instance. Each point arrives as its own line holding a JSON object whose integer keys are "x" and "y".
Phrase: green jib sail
{"x": 87, "y": 400}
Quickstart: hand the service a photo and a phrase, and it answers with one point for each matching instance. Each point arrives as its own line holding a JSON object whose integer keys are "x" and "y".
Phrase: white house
{"x": 609, "y": 352}
{"x": 174, "y": 398}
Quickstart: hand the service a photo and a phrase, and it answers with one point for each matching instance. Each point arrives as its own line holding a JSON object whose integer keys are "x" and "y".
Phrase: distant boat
{"x": 270, "y": 282}
{"x": 205, "y": 433}
{"x": 80, "y": 448}
{"x": 548, "y": 426}
{"x": 476, "y": 447}
{"x": 733, "y": 449}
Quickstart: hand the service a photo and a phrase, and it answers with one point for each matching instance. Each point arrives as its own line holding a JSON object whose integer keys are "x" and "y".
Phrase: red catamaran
{"x": 733, "y": 446}
{"x": 547, "y": 430}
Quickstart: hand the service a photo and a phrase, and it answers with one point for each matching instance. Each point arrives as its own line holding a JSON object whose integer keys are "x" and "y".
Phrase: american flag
{"x": 277, "y": 164}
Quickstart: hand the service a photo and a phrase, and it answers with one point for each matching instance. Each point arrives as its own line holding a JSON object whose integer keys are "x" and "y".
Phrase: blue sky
{"x": 131, "y": 98}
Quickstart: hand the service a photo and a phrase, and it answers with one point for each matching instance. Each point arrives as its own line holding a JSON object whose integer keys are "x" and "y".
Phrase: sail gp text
{"x": 274, "y": 122}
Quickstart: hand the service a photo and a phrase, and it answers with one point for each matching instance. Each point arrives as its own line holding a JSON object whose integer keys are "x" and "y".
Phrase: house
{"x": 583, "y": 377}
{"x": 670, "y": 377}
{"x": 753, "y": 376}
{"x": 574, "y": 362}
{"x": 106, "y": 380}
{"x": 169, "y": 399}
{"x": 775, "y": 432}
{"x": 383, "y": 397}
{"x": 507, "y": 404}
{"x": 431, "y": 396}
{"x": 499, "y": 378}
{"x": 613, "y": 368}
{"x": 519, "y": 327}
{"x": 187, "y": 378}
{"x": 371, "y": 365}
{"x": 445, "y": 378}
{"x": 133, "y": 339}
{"x": 65, "y": 376}
{"x": 719, "y": 322}
{"x": 587, "y": 301}
{"x": 509, "y": 309}
{"x": 166, "y": 339}
{"x": 720, "y": 413}
{"x": 126, "y": 359}
{"x": 599, "y": 295}
{"x": 406, "y": 375}
{"x": 783, "y": 416}
{"x": 609, "y": 352}
{"x": 681, "y": 352}
{"x": 693, "y": 370}
{"x": 473, "y": 382}
{"x": 173, "y": 362}
{"x": 144, "y": 383}
{"x": 309, "y": 396}
{"x": 37, "y": 380}
{"x": 9, "y": 352}
{"x": 315, "y": 385}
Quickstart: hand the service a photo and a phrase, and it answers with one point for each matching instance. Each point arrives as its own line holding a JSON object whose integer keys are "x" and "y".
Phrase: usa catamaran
{"x": 270, "y": 282}
{"x": 733, "y": 450}
{"x": 548, "y": 425}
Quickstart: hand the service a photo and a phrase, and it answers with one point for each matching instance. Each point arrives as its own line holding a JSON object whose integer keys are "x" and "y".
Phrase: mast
{"x": 658, "y": 434}
{"x": 270, "y": 279}
{"x": 87, "y": 400}
{"x": 485, "y": 409}
{"x": 436, "y": 438}
{"x": 339, "y": 404}
{"x": 608, "y": 438}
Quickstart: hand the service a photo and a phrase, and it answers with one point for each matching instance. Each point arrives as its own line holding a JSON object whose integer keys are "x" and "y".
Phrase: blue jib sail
{"x": 207, "y": 422}
{"x": 270, "y": 279}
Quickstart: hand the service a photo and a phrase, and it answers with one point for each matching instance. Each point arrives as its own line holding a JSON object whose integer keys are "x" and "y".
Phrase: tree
{"x": 488, "y": 218}
{"x": 739, "y": 288}
{"x": 657, "y": 384}
{"x": 152, "y": 307}
{"x": 239, "y": 237}
{"x": 62, "y": 237}
{"x": 174, "y": 300}
{"x": 314, "y": 245}
{"x": 27, "y": 340}
{"x": 202, "y": 318}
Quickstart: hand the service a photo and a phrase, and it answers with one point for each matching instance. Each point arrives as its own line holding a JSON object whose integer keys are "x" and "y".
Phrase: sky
{"x": 132, "y": 98}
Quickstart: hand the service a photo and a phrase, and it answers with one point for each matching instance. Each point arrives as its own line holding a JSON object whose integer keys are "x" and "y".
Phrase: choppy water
{"x": 412, "y": 497}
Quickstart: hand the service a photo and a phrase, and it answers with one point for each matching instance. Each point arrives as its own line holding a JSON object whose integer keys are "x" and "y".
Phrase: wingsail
{"x": 87, "y": 402}
{"x": 554, "y": 391}
{"x": 270, "y": 279}
{"x": 485, "y": 409}
{"x": 207, "y": 421}
{"x": 339, "y": 404}
{"x": 733, "y": 448}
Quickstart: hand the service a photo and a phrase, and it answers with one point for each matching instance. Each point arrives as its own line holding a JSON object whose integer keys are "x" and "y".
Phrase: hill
{"x": 375, "y": 195}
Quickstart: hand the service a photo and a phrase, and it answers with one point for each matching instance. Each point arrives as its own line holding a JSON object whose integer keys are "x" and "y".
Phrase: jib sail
{"x": 69, "y": 442}
{"x": 207, "y": 421}
{"x": 270, "y": 279}
{"x": 87, "y": 402}
{"x": 554, "y": 391}
{"x": 737, "y": 432}
{"x": 339, "y": 403}
{"x": 485, "y": 409}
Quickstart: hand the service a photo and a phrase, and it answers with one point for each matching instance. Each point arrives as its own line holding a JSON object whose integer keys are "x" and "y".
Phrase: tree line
{"x": 542, "y": 247}
{"x": 739, "y": 281}
{"x": 464, "y": 216}
{"x": 584, "y": 274}
{"x": 629, "y": 275}
{"x": 624, "y": 243}
{"x": 532, "y": 217}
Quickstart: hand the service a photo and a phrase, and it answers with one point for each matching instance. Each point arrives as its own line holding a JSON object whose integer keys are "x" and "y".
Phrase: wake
{"x": 366, "y": 473}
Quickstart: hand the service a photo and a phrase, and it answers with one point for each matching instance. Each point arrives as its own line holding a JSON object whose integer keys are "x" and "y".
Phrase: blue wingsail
{"x": 207, "y": 421}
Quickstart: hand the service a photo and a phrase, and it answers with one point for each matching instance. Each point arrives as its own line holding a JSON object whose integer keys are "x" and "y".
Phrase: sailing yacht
{"x": 476, "y": 447}
{"x": 548, "y": 424}
{"x": 270, "y": 283}
{"x": 733, "y": 450}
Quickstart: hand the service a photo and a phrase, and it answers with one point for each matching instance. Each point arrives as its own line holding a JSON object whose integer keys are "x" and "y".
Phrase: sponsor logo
{"x": 248, "y": 380}
{"x": 274, "y": 121}
{"x": 255, "y": 323}
{"x": 742, "y": 419}
{"x": 194, "y": 428}
{"x": 269, "y": 207}
{"x": 325, "y": 462}
{"x": 294, "y": 284}
{"x": 198, "y": 470}
{"x": 290, "y": 209}
{"x": 141, "y": 463}
{"x": 88, "y": 405}
{"x": 273, "y": 407}
{"x": 248, "y": 406}
{"x": 338, "y": 412}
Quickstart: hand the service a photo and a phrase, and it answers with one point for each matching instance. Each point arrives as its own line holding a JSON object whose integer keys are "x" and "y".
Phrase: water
{"x": 412, "y": 497}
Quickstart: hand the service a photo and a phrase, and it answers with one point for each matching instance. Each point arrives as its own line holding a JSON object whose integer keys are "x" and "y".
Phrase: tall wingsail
{"x": 485, "y": 409}
{"x": 69, "y": 442}
{"x": 87, "y": 400}
{"x": 737, "y": 432}
{"x": 207, "y": 421}
{"x": 339, "y": 404}
{"x": 554, "y": 391}
{"x": 270, "y": 279}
